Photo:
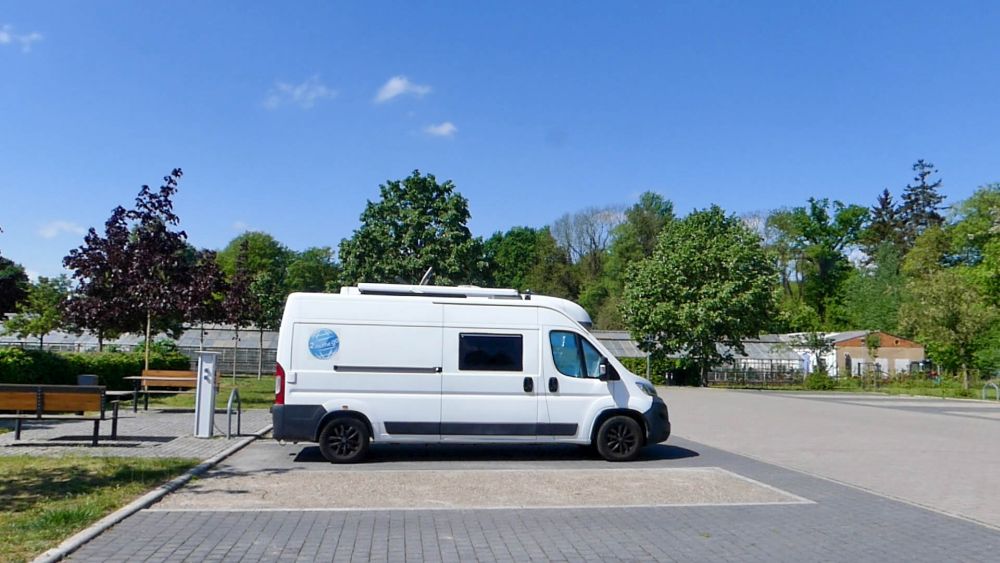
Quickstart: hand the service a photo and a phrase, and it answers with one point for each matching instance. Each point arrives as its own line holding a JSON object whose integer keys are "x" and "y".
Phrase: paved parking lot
{"x": 684, "y": 500}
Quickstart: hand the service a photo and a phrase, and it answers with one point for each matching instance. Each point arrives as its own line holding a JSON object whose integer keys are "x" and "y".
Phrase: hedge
{"x": 682, "y": 372}
{"x": 55, "y": 368}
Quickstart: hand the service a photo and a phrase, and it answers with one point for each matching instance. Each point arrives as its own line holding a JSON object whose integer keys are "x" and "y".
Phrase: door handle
{"x": 553, "y": 385}
{"x": 529, "y": 384}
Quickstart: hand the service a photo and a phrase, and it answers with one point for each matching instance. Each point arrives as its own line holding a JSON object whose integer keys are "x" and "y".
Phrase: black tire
{"x": 619, "y": 439}
{"x": 344, "y": 440}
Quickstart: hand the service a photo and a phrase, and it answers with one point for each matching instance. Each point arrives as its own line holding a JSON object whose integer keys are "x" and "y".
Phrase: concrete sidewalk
{"x": 153, "y": 433}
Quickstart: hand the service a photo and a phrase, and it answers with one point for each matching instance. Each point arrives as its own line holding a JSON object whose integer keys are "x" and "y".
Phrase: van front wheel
{"x": 344, "y": 440}
{"x": 619, "y": 439}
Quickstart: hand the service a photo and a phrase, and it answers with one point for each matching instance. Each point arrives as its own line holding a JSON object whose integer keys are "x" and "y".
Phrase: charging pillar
{"x": 204, "y": 398}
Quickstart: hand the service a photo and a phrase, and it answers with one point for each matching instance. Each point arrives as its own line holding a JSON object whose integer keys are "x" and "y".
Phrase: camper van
{"x": 428, "y": 364}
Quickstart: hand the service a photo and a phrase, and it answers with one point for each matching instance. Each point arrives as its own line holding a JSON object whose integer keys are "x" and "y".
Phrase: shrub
{"x": 38, "y": 366}
{"x": 34, "y": 366}
{"x": 820, "y": 381}
{"x": 682, "y": 372}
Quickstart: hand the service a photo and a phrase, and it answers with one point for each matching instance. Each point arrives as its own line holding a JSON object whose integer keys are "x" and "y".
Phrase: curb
{"x": 76, "y": 541}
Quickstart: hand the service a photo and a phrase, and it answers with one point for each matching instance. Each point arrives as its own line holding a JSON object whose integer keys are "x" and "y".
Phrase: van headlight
{"x": 647, "y": 389}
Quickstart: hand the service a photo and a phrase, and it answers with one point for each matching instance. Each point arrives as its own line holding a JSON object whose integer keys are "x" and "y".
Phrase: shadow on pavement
{"x": 493, "y": 452}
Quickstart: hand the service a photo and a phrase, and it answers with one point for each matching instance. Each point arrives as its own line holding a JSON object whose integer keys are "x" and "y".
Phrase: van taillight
{"x": 279, "y": 384}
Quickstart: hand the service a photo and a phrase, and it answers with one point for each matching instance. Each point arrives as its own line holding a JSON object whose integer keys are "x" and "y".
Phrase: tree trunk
{"x": 260, "y": 354}
{"x": 965, "y": 377}
{"x": 41, "y": 341}
{"x": 201, "y": 337}
{"x": 149, "y": 326}
{"x": 100, "y": 340}
{"x": 704, "y": 374}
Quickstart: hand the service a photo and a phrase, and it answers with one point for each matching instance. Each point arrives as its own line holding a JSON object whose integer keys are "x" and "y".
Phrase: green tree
{"x": 269, "y": 291}
{"x": 821, "y": 232}
{"x": 41, "y": 311}
{"x": 586, "y": 236}
{"x": 946, "y": 312}
{"x": 313, "y": 270}
{"x": 921, "y": 203}
{"x": 632, "y": 241}
{"x": 510, "y": 257}
{"x": 928, "y": 254}
{"x": 885, "y": 226}
{"x": 709, "y": 282}
{"x": 975, "y": 225}
{"x": 417, "y": 224}
{"x": 552, "y": 273}
{"x": 264, "y": 253}
{"x": 780, "y": 236}
{"x": 13, "y": 285}
{"x": 635, "y": 239}
{"x": 872, "y": 297}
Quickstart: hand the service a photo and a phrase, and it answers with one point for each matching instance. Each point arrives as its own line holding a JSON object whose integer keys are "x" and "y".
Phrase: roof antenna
{"x": 427, "y": 276}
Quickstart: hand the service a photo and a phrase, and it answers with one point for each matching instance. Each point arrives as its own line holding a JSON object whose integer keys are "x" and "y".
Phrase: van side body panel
{"x": 393, "y": 362}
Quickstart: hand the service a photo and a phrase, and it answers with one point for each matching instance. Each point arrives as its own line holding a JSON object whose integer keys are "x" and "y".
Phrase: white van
{"x": 428, "y": 364}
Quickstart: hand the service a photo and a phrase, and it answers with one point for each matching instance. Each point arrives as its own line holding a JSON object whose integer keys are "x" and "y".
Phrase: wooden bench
{"x": 164, "y": 382}
{"x": 45, "y": 402}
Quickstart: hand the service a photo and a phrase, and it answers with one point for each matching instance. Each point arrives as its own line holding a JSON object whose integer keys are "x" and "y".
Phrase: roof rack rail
{"x": 434, "y": 290}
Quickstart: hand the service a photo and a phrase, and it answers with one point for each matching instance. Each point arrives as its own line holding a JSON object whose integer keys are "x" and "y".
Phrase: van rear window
{"x": 490, "y": 352}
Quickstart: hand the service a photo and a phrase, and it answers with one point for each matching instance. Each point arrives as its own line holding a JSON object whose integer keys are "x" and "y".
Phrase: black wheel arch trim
{"x": 606, "y": 414}
{"x": 331, "y": 415}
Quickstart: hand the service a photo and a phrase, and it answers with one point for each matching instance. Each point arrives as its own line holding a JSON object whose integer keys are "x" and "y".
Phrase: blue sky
{"x": 533, "y": 109}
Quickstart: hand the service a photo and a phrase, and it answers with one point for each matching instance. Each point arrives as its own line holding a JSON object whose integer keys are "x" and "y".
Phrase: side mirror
{"x": 607, "y": 371}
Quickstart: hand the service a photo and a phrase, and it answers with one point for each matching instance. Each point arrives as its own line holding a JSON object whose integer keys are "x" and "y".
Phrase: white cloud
{"x": 303, "y": 95}
{"x": 52, "y": 229}
{"x": 25, "y": 40}
{"x": 398, "y": 86}
{"x": 446, "y": 129}
{"x": 241, "y": 226}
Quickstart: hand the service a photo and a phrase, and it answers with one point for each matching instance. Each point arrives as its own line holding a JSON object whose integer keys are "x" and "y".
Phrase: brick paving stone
{"x": 844, "y": 524}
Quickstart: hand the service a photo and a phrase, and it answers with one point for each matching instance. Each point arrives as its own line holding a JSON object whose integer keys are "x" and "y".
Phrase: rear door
{"x": 490, "y": 384}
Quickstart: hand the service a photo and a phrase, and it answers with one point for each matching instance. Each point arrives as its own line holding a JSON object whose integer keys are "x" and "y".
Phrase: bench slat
{"x": 18, "y": 400}
{"x": 70, "y": 402}
{"x": 169, "y": 385}
{"x": 169, "y": 373}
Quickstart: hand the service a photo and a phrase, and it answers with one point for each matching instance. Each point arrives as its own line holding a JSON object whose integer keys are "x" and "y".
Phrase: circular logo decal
{"x": 323, "y": 344}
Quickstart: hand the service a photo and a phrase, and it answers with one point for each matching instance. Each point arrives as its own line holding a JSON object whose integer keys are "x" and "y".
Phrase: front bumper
{"x": 657, "y": 422}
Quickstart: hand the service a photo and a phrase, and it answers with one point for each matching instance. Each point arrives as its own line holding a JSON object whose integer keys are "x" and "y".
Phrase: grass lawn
{"x": 44, "y": 500}
{"x": 254, "y": 393}
{"x": 949, "y": 388}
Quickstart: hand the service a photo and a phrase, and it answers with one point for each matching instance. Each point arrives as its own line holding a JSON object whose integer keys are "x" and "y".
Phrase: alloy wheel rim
{"x": 344, "y": 440}
{"x": 620, "y": 439}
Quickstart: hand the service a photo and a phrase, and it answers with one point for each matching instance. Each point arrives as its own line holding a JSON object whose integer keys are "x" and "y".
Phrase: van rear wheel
{"x": 619, "y": 439}
{"x": 344, "y": 440}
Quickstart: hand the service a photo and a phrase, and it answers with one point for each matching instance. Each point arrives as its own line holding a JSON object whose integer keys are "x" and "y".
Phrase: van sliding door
{"x": 490, "y": 383}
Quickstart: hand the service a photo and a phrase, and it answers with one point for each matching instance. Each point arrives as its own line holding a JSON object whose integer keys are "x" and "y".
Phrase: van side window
{"x": 573, "y": 355}
{"x": 490, "y": 352}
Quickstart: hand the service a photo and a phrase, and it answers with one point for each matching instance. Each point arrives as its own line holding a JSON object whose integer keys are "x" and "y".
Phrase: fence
{"x": 756, "y": 373}
{"x": 246, "y": 358}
